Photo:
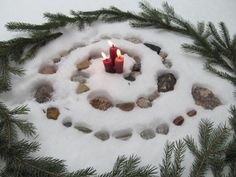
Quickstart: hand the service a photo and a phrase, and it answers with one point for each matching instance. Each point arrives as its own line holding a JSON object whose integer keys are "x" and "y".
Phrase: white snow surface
{"x": 84, "y": 150}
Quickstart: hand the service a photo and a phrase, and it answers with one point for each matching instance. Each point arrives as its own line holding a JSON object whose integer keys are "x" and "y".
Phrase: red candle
{"x": 119, "y": 62}
{"x": 113, "y": 54}
{"x": 107, "y": 63}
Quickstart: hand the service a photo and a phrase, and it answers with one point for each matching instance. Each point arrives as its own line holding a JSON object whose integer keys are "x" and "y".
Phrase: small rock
{"x": 43, "y": 93}
{"x": 167, "y": 63}
{"x": 137, "y": 67}
{"x": 56, "y": 60}
{"x": 134, "y": 40}
{"x": 163, "y": 54}
{"x": 162, "y": 129}
{"x": 123, "y": 135}
{"x": 78, "y": 78}
{"x": 178, "y": 120}
{"x": 153, "y": 47}
{"x": 48, "y": 70}
{"x": 82, "y": 88}
{"x": 153, "y": 96}
{"x": 130, "y": 77}
{"x": 83, "y": 129}
{"x": 126, "y": 106}
{"x": 53, "y": 113}
{"x": 67, "y": 124}
{"x": 192, "y": 113}
{"x": 148, "y": 134}
{"x": 101, "y": 103}
{"x": 83, "y": 65}
{"x": 144, "y": 103}
{"x": 166, "y": 82}
{"x": 102, "y": 135}
{"x": 205, "y": 98}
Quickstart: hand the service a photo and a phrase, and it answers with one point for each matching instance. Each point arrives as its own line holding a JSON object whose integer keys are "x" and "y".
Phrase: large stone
{"x": 82, "y": 88}
{"x": 126, "y": 106}
{"x": 83, "y": 65}
{"x": 144, "y": 103}
{"x": 53, "y": 113}
{"x": 148, "y": 134}
{"x": 178, "y": 120}
{"x": 205, "y": 98}
{"x": 102, "y": 135}
{"x": 43, "y": 93}
{"x": 83, "y": 129}
{"x": 101, "y": 103}
{"x": 162, "y": 129}
{"x": 48, "y": 69}
{"x": 166, "y": 82}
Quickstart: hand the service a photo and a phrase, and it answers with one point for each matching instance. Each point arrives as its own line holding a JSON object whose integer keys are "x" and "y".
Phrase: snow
{"x": 84, "y": 150}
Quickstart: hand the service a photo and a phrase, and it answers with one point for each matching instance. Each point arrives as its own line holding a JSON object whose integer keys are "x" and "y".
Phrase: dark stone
{"x": 102, "y": 135}
{"x": 137, "y": 67}
{"x": 178, "y": 120}
{"x": 205, "y": 98}
{"x": 130, "y": 77}
{"x": 101, "y": 103}
{"x": 43, "y": 93}
{"x": 153, "y": 47}
{"x": 191, "y": 113}
{"x": 166, "y": 82}
{"x": 67, "y": 124}
{"x": 162, "y": 129}
{"x": 126, "y": 106}
{"x": 56, "y": 60}
{"x": 147, "y": 134}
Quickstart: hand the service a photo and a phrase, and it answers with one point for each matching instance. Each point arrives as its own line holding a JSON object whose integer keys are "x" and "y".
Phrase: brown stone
{"x": 192, "y": 113}
{"x": 48, "y": 70}
{"x": 83, "y": 65}
{"x": 101, "y": 103}
{"x": 144, "y": 103}
{"x": 178, "y": 120}
{"x": 82, "y": 88}
{"x": 126, "y": 106}
{"x": 53, "y": 113}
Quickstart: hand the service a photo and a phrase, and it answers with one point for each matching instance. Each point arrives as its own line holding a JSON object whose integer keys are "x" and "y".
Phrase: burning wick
{"x": 118, "y": 52}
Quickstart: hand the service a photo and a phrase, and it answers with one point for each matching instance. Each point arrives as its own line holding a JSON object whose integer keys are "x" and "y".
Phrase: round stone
{"x": 101, "y": 103}
{"x": 43, "y": 93}
{"x": 102, "y": 135}
{"x": 178, "y": 120}
{"x": 148, "y": 134}
{"x": 162, "y": 129}
{"x": 53, "y": 113}
{"x": 144, "y": 103}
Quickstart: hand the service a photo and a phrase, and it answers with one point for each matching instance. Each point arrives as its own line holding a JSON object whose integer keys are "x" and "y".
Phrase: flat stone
{"x": 53, "y": 113}
{"x": 101, "y": 103}
{"x": 43, "y": 93}
{"x": 166, "y": 82}
{"x": 126, "y": 106}
{"x": 130, "y": 77}
{"x": 137, "y": 67}
{"x": 153, "y": 47}
{"x": 83, "y": 65}
{"x": 192, "y": 113}
{"x": 205, "y": 98}
{"x": 67, "y": 124}
{"x": 178, "y": 120}
{"x": 153, "y": 96}
{"x": 162, "y": 129}
{"x": 144, "y": 103}
{"x": 83, "y": 129}
{"x": 82, "y": 88}
{"x": 123, "y": 135}
{"x": 102, "y": 135}
{"x": 148, "y": 134}
{"x": 48, "y": 70}
{"x": 78, "y": 78}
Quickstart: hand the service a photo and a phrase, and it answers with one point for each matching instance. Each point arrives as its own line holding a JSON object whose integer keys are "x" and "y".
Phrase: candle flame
{"x": 110, "y": 43}
{"x": 103, "y": 55}
{"x": 118, "y": 52}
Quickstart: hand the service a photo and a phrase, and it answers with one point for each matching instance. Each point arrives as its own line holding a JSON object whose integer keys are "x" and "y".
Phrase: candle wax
{"x": 113, "y": 54}
{"x": 119, "y": 62}
{"x": 108, "y": 65}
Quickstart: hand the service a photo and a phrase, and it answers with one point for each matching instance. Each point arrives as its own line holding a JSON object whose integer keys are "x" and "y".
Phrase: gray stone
{"x": 130, "y": 77}
{"x": 166, "y": 82}
{"x": 101, "y": 103}
{"x": 102, "y": 135}
{"x": 148, "y": 134}
{"x": 83, "y": 129}
{"x": 144, "y": 103}
{"x": 123, "y": 135}
{"x": 162, "y": 129}
{"x": 167, "y": 63}
{"x": 43, "y": 93}
{"x": 136, "y": 67}
{"x": 134, "y": 39}
{"x": 205, "y": 98}
{"x": 67, "y": 124}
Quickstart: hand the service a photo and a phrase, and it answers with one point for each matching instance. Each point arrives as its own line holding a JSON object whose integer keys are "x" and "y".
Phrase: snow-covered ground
{"x": 82, "y": 150}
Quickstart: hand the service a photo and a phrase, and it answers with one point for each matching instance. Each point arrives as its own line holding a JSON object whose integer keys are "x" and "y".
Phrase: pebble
{"x": 83, "y": 65}
{"x": 148, "y": 134}
{"x": 101, "y": 103}
{"x": 83, "y": 129}
{"x": 82, "y": 88}
{"x": 166, "y": 82}
{"x": 48, "y": 70}
{"x": 126, "y": 106}
{"x": 162, "y": 129}
{"x": 53, "y": 113}
{"x": 102, "y": 135}
{"x": 192, "y": 113}
{"x": 43, "y": 93}
{"x": 178, "y": 120}
{"x": 144, "y": 103}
